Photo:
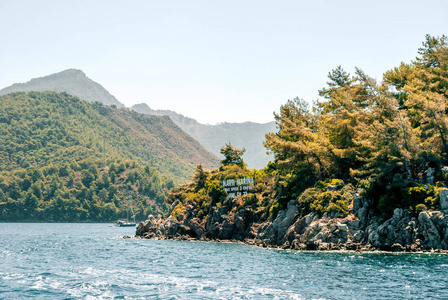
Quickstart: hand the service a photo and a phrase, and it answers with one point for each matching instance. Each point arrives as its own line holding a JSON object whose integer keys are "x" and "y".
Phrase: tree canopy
{"x": 380, "y": 136}
{"x": 232, "y": 155}
{"x": 52, "y": 159}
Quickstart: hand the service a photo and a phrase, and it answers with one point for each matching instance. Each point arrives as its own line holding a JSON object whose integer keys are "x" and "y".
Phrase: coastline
{"x": 360, "y": 231}
{"x": 341, "y": 249}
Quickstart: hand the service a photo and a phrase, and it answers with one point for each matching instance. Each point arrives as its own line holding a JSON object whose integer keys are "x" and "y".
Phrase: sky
{"x": 214, "y": 61}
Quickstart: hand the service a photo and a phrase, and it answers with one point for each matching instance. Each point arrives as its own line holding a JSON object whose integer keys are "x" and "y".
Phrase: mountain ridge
{"x": 249, "y": 135}
{"x": 72, "y": 81}
{"x": 40, "y": 128}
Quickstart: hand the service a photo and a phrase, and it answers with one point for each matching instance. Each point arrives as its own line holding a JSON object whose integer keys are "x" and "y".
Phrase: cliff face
{"x": 360, "y": 230}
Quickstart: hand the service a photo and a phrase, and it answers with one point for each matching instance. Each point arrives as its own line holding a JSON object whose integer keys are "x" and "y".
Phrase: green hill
{"x": 82, "y": 191}
{"x": 41, "y": 128}
{"x": 64, "y": 138}
{"x": 212, "y": 137}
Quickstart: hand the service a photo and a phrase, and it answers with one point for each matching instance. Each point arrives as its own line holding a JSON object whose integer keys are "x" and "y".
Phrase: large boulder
{"x": 432, "y": 236}
{"x": 443, "y": 198}
{"x": 276, "y": 233}
{"x": 391, "y": 232}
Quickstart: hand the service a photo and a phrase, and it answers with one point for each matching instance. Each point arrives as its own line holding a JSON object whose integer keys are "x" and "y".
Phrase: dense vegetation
{"x": 42, "y": 128}
{"x": 206, "y": 190}
{"x": 55, "y": 149}
{"x": 388, "y": 138}
{"x": 386, "y": 141}
{"x": 82, "y": 191}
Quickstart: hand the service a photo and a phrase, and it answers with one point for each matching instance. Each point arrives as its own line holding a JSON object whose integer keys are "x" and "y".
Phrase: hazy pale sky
{"x": 215, "y": 61}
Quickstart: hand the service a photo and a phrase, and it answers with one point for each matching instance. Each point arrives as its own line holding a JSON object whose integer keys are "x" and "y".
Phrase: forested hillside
{"x": 74, "y": 191}
{"x": 65, "y": 140}
{"x": 42, "y": 128}
{"x": 365, "y": 168}
{"x": 212, "y": 137}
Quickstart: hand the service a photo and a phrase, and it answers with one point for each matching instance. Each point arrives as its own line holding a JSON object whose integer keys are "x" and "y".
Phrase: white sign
{"x": 237, "y": 187}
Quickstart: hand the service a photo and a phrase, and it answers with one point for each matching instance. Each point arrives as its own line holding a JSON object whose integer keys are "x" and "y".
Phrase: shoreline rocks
{"x": 359, "y": 231}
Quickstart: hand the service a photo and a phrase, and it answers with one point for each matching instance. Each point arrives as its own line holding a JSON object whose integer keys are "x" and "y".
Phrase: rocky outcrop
{"x": 444, "y": 200}
{"x": 360, "y": 230}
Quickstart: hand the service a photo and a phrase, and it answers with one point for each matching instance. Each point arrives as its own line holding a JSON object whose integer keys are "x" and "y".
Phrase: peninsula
{"x": 365, "y": 168}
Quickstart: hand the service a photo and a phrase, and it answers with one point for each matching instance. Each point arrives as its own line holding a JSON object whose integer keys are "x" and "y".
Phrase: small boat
{"x": 125, "y": 223}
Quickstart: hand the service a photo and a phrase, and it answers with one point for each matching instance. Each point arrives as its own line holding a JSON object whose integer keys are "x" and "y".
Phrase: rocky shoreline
{"x": 361, "y": 230}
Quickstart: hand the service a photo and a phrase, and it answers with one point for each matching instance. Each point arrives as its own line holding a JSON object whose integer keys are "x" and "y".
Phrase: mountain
{"x": 248, "y": 135}
{"x": 64, "y": 159}
{"x": 71, "y": 81}
{"x": 212, "y": 137}
{"x": 42, "y": 128}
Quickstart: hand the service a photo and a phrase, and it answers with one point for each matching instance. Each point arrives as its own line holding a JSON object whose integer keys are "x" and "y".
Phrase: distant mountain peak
{"x": 248, "y": 134}
{"x": 72, "y": 81}
{"x": 141, "y": 106}
{"x": 70, "y": 73}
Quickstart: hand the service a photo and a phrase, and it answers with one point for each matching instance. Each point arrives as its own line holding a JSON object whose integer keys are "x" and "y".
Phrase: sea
{"x": 94, "y": 261}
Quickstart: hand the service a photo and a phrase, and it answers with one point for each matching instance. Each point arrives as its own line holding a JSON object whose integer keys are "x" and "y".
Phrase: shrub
{"x": 420, "y": 207}
{"x": 320, "y": 202}
{"x": 420, "y": 194}
{"x": 215, "y": 191}
{"x": 307, "y": 198}
{"x": 387, "y": 204}
{"x": 325, "y": 183}
{"x": 178, "y": 210}
{"x": 274, "y": 209}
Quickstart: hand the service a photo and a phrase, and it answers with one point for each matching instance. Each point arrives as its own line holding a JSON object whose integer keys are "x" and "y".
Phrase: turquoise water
{"x": 92, "y": 261}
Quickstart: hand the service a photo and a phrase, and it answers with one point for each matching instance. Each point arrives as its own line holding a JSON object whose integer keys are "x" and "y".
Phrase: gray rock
{"x": 430, "y": 176}
{"x": 443, "y": 198}
{"x": 431, "y": 236}
{"x": 331, "y": 188}
{"x": 172, "y": 206}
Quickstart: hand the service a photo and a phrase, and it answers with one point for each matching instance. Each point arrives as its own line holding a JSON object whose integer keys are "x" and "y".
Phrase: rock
{"x": 430, "y": 176}
{"x": 358, "y": 236}
{"x": 196, "y": 225}
{"x": 351, "y": 246}
{"x": 362, "y": 215}
{"x": 343, "y": 227}
{"x": 398, "y": 213}
{"x": 359, "y": 231}
{"x": 431, "y": 236}
{"x": 310, "y": 245}
{"x": 416, "y": 246}
{"x": 285, "y": 219}
{"x": 324, "y": 246}
{"x": 445, "y": 169}
{"x": 397, "y": 248}
{"x": 172, "y": 206}
{"x": 331, "y": 188}
{"x": 443, "y": 198}
{"x": 278, "y": 232}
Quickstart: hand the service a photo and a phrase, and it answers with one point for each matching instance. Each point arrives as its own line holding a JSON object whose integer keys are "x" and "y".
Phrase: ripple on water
{"x": 42, "y": 261}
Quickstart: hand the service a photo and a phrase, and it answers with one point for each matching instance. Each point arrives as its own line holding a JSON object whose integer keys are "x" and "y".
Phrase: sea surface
{"x": 93, "y": 261}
